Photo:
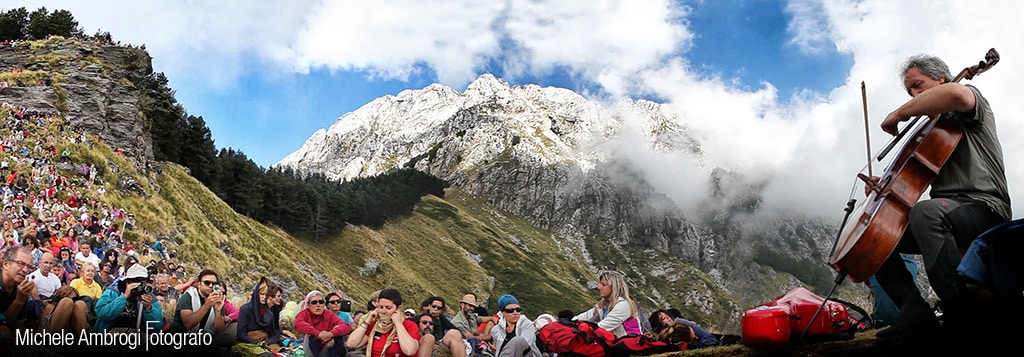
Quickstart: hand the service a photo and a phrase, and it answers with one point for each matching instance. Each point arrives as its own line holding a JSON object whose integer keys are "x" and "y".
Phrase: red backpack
{"x": 574, "y": 338}
{"x": 642, "y": 345}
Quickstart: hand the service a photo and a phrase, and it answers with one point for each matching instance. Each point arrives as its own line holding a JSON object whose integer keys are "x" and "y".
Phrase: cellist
{"x": 968, "y": 196}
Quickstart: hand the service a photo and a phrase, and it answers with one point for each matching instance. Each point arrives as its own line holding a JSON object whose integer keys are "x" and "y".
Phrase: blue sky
{"x": 768, "y": 85}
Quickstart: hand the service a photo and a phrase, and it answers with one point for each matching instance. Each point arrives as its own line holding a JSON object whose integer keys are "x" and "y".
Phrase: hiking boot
{"x": 912, "y": 328}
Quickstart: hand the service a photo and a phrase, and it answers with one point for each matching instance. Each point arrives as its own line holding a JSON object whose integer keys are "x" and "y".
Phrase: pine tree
{"x": 13, "y": 24}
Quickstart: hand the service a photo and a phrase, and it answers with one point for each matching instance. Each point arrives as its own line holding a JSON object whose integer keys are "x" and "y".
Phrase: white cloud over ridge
{"x": 812, "y": 145}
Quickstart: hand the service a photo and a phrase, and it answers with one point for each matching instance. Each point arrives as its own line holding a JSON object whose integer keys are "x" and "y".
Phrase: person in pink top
{"x": 229, "y": 309}
{"x": 324, "y": 331}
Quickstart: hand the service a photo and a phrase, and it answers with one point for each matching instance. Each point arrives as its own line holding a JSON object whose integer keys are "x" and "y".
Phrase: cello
{"x": 866, "y": 242}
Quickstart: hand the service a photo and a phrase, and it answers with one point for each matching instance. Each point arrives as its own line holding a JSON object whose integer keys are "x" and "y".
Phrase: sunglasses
{"x": 427, "y": 322}
{"x": 514, "y": 309}
{"x": 209, "y": 282}
{"x": 437, "y": 307}
{"x": 316, "y": 302}
{"x": 334, "y": 302}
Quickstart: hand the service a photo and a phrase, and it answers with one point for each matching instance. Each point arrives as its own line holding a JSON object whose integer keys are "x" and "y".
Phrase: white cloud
{"x": 390, "y": 38}
{"x": 604, "y": 41}
{"x": 808, "y": 28}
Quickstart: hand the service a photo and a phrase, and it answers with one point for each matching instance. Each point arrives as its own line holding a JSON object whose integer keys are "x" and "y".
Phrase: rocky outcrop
{"x": 96, "y": 87}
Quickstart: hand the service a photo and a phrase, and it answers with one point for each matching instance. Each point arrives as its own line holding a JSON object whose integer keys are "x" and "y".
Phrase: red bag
{"x": 780, "y": 321}
{"x": 834, "y": 318}
{"x": 766, "y": 326}
{"x": 641, "y": 345}
{"x": 575, "y": 338}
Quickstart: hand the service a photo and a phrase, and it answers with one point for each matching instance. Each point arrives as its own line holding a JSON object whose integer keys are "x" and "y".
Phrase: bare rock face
{"x": 96, "y": 87}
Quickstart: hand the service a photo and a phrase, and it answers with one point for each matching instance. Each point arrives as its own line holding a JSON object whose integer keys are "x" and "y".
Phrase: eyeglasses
{"x": 209, "y": 282}
{"x": 23, "y": 265}
{"x": 427, "y": 322}
{"x": 513, "y": 309}
{"x": 438, "y": 307}
{"x": 334, "y": 302}
{"x": 316, "y": 302}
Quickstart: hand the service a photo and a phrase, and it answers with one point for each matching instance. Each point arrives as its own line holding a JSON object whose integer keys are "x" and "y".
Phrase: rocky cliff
{"x": 95, "y": 86}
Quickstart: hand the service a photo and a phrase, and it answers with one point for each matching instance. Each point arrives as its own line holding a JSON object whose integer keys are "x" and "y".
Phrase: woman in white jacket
{"x": 514, "y": 335}
{"x": 616, "y": 311}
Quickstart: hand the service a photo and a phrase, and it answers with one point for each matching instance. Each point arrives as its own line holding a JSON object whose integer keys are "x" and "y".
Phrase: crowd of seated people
{"x": 66, "y": 267}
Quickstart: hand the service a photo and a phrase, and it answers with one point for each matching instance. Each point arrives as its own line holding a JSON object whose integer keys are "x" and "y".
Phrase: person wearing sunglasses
{"x": 334, "y": 304}
{"x": 324, "y": 331}
{"x": 425, "y": 323}
{"x": 104, "y": 276}
{"x": 616, "y": 311}
{"x": 452, "y": 342}
{"x": 202, "y": 307}
{"x": 514, "y": 335}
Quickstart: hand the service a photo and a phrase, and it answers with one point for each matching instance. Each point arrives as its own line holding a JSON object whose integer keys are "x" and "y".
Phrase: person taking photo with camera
{"x": 128, "y": 306}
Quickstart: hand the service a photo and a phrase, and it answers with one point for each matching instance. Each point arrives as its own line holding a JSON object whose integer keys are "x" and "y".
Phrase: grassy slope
{"x": 434, "y": 251}
{"x": 446, "y": 247}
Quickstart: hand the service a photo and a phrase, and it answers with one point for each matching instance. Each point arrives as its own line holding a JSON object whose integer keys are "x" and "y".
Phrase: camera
{"x": 346, "y": 305}
{"x": 143, "y": 288}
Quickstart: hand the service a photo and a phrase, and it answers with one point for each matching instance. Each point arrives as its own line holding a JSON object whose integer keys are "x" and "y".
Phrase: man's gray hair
{"x": 929, "y": 65}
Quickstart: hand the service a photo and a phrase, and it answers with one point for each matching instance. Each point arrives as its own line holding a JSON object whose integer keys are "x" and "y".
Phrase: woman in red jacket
{"x": 324, "y": 332}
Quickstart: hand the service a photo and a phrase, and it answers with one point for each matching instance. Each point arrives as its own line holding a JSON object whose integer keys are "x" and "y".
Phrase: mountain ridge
{"x": 561, "y": 161}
